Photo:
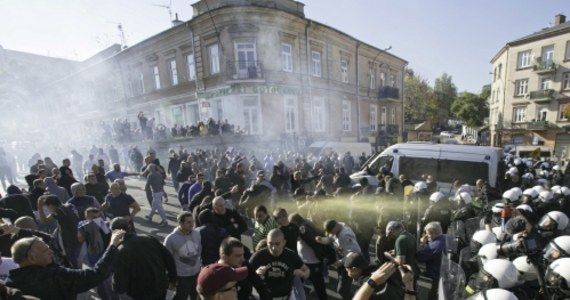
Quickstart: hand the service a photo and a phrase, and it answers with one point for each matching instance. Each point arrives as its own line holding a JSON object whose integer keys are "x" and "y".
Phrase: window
{"x": 287, "y": 57}
{"x": 393, "y": 116}
{"x": 561, "y": 112}
{"x": 251, "y": 115}
{"x": 492, "y": 96}
{"x": 141, "y": 82}
{"x": 523, "y": 59}
{"x": 519, "y": 114}
{"x": 345, "y": 116}
{"x": 546, "y": 83}
{"x": 316, "y": 63}
{"x": 521, "y": 87}
{"x": 191, "y": 67}
{"x": 344, "y": 70}
{"x": 566, "y": 81}
{"x": 372, "y": 80}
{"x": 177, "y": 115}
{"x": 498, "y": 94}
{"x": 214, "y": 59}
{"x": 382, "y": 79}
{"x": 156, "y": 76}
{"x": 542, "y": 113}
{"x": 392, "y": 80}
{"x": 373, "y": 117}
{"x": 547, "y": 55}
{"x": 318, "y": 114}
{"x": 567, "y": 55}
{"x": 173, "y": 72}
{"x": 383, "y": 116}
{"x": 499, "y": 70}
{"x": 246, "y": 57}
{"x": 290, "y": 114}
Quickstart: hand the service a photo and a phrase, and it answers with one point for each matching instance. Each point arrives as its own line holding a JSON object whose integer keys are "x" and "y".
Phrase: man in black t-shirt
{"x": 278, "y": 265}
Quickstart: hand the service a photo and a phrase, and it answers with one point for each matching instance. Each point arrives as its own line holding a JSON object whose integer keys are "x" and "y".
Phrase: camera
{"x": 527, "y": 246}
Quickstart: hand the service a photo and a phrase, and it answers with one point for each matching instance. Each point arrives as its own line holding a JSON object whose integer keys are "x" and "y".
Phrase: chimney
{"x": 559, "y": 19}
{"x": 176, "y": 22}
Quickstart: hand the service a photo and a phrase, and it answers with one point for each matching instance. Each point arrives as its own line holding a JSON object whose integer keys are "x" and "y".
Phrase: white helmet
{"x": 529, "y": 163}
{"x": 495, "y": 294}
{"x": 543, "y": 174}
{"x": 531, "y": 193}
{"x": 503, "y": 271}
{"x": 498, "y": 231}
{"x": 435, "y": 197}
{"x": 538, "y": 188}
{"x": 498, "y": 208}
{"x": 565, "y": 190}
{"x": 484, "y": 237}
{"x": 557, "y": 276}
{"x": 528, "y": 271}
{"x": 554, "y": 220}
{"x": 525, "y": 207}
{"x": 464, "y": 188}
{"x": 487, "y": 252}
{"x": 528, "y": 177}
{"x": 545, "y": 196}
{"x": 513, "y": 171}
{"x": 556, "y": 168}
{"x": 555, "y": 189}
{"x": 419, "y": 186}
{"x": 466, "y": 197}
{"x": 557, "y": 248}
{"x": 517, "y": 191}
{"x": 510, "y": 196}
{"x": 517, "y": 161}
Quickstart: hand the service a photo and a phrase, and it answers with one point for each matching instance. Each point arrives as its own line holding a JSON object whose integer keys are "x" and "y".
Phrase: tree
{"x": 419, "y": 100}
{"x": 445, "y": 93}
{"x": 471, "y": 109}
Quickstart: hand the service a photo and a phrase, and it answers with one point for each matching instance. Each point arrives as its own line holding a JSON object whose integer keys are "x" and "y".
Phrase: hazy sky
{"x": 436, "y": 36}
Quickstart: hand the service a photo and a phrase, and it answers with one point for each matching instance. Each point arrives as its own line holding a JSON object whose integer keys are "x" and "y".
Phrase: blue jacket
{"x": 431, "y": 256}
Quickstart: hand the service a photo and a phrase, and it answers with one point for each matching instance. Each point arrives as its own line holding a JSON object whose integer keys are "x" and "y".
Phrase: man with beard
{"x": 277, "y": 266}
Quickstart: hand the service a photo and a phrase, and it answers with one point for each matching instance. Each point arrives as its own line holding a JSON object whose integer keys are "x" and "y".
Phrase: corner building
{"x": 264, "y": 67}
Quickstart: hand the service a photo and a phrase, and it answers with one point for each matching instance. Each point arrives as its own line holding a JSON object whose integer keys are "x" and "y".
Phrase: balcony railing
{"x": 542, "y": 94}
{"x": 538, "y": 125}
{"x": 388, "y": 92}
{"x": 244, "y": 70}
{"x": 543, "y": 67}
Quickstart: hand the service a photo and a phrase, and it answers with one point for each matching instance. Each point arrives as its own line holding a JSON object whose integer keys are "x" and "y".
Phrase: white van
{"x": 321, "y": 148}
{"x": 446, "y": 163}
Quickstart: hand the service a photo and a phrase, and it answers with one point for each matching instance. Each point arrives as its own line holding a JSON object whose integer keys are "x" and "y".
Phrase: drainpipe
{"x": 402, "y": 131}
{"x": 308, "y": 52}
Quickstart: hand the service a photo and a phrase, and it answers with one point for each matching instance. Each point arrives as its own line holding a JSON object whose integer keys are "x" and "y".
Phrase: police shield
{"x": 452, "y": 281}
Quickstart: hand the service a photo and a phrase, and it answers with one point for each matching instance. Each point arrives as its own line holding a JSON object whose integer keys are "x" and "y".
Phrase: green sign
{"x": 235, "y": 90}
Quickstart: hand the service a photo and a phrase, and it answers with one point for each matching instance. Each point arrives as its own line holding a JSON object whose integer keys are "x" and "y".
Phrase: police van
{"x": 444, "y": 162}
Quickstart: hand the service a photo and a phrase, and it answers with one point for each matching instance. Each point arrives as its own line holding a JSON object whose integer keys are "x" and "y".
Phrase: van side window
{"x": 414, "y": 167}
{"x": 381, "y": 161}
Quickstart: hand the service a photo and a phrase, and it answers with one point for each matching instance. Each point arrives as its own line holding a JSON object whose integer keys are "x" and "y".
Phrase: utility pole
{"x": 166, "y": 7}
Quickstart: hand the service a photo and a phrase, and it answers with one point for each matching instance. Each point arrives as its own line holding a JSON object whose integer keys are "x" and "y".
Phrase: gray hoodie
{"x": 185, "y": 249}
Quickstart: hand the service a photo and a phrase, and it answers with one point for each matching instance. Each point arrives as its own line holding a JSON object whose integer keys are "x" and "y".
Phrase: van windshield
{"x": 523, "y": 154}
{"x": 443, "y": 170}
{"x": 379, "y": 162}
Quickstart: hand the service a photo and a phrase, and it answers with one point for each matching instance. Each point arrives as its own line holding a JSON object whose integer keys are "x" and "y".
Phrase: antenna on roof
{"x": 121, "y": 34}
{"x": 168, "y": 8}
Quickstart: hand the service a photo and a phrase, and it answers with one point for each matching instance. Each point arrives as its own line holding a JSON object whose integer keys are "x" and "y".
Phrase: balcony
{"x": 544, "y": 67}
{"x": 388, "y": 92}
{"x": 539, "y": 125}
{"x": 242, "y": 70}
{"x": 542, "y": 95}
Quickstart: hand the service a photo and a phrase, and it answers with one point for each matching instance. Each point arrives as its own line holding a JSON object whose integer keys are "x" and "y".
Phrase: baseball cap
{"x": 329, "y": 225}
{"x": 213, "y": 277}
{"x": 355, "y": 260}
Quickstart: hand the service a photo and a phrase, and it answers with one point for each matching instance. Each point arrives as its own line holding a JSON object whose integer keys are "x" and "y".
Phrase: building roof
{"x": 544, "y": 33}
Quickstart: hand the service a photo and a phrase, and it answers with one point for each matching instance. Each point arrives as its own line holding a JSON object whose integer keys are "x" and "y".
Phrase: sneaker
{"x": 148, "y": 217}
{"x": 163, "y": 223}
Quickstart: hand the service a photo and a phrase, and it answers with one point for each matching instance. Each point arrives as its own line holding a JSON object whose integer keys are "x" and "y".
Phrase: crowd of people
{"x": 307, "y": 218}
